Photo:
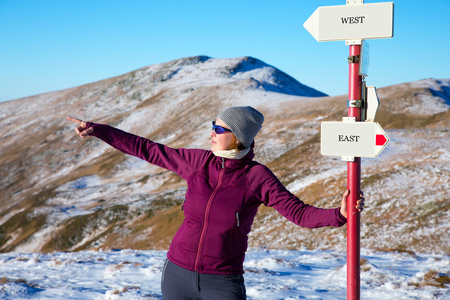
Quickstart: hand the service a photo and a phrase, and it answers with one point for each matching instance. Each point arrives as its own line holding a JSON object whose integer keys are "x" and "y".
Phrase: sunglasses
{"x": 219, "y": 129}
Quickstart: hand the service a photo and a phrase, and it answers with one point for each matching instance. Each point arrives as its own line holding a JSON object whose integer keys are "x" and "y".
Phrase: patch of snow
{"x": 300, "y": 184}
{"x": 270, "y": 274}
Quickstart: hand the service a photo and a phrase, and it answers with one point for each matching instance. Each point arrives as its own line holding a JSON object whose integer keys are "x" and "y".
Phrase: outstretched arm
{"x": 182, "y": 161}
{"x": 273, "y": 194}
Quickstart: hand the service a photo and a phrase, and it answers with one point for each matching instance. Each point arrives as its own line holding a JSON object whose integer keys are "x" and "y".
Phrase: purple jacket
{"x": 221, "y": 201}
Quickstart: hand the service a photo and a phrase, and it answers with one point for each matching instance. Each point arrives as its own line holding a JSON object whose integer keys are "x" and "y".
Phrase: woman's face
{"x": 223, "y": 141}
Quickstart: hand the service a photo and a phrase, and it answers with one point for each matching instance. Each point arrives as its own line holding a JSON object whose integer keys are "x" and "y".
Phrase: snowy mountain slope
{"x": 269, "y": 274}
{"x": 63, "y": 193}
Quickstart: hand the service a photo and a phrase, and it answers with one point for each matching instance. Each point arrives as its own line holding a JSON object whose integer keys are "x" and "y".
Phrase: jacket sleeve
{"x": 273, "y": 194}
{"x": 177, "y": 160}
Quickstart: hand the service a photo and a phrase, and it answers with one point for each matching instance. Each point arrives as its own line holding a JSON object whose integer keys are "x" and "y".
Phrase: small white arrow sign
{"x": 358, "y": 139}
{"x": 350, "y": 22}
{"x": 372, "y": 103}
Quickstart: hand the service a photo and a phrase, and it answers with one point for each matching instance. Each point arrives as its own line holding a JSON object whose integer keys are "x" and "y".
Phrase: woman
{"x": 225, "y": 188}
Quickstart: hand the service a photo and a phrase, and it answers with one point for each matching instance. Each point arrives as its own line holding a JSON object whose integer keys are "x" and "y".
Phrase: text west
{"x": 353, "y": 20}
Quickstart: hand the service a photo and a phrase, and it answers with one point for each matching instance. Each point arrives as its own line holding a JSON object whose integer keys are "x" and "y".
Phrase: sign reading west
{"x": 357, "y": 139}
{"x": 351, "y": 22}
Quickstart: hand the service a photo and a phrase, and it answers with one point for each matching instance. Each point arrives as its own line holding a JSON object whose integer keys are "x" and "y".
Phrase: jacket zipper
{"x": 206, "y": 218}
{"x": 237, "y": 219}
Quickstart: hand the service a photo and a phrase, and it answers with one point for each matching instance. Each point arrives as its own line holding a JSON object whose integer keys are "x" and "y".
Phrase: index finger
{"x": 74, "y": 120}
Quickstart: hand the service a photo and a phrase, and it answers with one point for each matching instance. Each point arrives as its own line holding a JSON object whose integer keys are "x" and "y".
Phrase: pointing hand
{"x": 81, "y": 128}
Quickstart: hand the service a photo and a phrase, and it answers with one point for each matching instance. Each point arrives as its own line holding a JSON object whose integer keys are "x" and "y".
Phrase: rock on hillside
{"x": 63, "y": 193}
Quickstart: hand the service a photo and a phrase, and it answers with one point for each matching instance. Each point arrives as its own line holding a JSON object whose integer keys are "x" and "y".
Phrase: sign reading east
{"x": 352, "y": 22}
{"x": 357, "y": 139}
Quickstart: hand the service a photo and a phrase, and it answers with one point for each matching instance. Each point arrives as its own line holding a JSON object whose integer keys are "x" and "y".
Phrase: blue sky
{"x": 49, "y": 45}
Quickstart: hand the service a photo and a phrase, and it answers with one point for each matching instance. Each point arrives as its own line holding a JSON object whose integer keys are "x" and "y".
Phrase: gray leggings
{"x": 180, "y": 284}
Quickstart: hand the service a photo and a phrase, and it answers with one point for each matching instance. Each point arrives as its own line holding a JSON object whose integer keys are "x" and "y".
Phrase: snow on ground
{"x": 270, "y": 274}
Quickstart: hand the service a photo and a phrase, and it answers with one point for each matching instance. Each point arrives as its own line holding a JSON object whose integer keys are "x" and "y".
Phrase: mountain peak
{"x": 258, "y": 74}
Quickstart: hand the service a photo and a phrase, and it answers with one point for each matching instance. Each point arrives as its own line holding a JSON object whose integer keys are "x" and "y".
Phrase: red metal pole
{"x": 353, "y": 183}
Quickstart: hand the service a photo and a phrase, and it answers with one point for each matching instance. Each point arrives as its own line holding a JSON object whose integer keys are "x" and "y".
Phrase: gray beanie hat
{"x": 244, "y": 121}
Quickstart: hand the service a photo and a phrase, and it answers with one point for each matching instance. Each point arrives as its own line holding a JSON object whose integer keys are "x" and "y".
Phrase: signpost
{"x": 353, "y": 139}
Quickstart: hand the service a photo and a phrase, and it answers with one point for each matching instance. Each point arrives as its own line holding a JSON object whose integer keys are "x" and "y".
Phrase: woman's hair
{"x": 241, "y": 146}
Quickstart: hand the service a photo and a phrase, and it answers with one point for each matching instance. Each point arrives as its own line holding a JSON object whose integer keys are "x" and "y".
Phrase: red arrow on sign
{"x": 380, "y": 140}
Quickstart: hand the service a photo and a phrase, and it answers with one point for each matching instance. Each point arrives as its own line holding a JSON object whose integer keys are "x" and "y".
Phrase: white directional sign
{"x": 372, "y": 103}
{"x": 357, "y": 139}
{"x": 351, "y": 22}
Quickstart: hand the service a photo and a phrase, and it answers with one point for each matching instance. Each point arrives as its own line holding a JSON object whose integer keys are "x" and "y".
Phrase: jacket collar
{"x": 240, "y": 162}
